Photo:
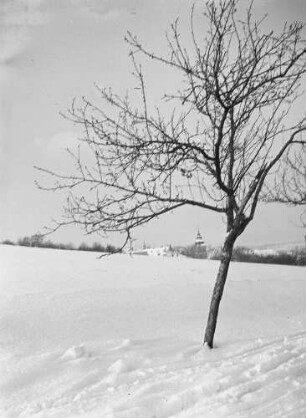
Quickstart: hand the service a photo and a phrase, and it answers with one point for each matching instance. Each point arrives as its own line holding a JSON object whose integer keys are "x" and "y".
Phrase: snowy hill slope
{"x": 121, "y": 338}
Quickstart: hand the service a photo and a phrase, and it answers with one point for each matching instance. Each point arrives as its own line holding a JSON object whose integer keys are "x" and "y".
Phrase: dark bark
{"x": 226, "y": 256}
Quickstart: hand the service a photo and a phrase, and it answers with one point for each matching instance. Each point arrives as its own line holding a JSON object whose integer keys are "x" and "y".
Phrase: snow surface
{"x": 121, "y": 337}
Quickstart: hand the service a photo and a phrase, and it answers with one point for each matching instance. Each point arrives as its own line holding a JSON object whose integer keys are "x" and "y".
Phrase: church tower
{"x": 199, "y": 248}
{"x": 199, "y": 242}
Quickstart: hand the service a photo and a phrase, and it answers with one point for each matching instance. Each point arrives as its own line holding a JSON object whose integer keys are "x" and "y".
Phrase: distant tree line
{"x": 39, "y": 241}
{"x": 296, "y": 257}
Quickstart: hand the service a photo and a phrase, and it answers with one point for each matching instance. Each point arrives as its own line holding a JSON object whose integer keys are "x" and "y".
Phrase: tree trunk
{"x": 218, "y": 291}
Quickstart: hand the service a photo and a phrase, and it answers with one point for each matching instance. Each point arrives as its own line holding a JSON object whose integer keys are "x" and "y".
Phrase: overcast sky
{"x": 53, "y": 51}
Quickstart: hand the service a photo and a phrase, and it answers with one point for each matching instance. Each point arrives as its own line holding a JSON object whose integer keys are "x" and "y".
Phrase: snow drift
{"x": 121, "y": 337}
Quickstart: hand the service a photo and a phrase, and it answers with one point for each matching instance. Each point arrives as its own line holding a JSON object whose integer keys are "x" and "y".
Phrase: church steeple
{"x": 199, "y": 242}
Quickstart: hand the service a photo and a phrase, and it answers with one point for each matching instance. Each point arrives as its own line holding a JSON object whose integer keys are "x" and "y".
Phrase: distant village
{"x": 196, "y": 250}
{"x": 200, "y": 250}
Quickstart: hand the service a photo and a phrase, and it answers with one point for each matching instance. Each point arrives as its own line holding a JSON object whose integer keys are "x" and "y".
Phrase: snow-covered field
{"x": 121, "y": 337}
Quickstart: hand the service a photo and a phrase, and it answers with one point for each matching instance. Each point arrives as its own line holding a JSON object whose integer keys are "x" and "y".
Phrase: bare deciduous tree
{"x": 228, "y": 129}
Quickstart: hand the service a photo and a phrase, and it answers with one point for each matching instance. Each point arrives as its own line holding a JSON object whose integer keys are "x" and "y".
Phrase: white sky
{"x": 52, "y": 51}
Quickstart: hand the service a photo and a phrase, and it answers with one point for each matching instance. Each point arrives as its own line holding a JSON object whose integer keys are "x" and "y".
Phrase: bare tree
{"x": 228, "y": 129}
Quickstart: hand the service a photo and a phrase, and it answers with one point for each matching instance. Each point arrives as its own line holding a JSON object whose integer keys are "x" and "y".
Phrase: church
{"x": 199, "y": 248}
{"x": 199, "y": 242}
